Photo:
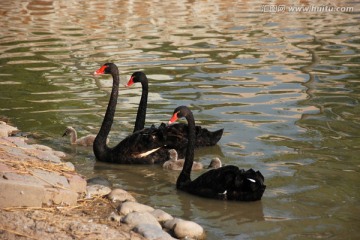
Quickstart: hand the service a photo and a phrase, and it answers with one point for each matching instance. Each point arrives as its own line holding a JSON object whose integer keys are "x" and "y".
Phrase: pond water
{"x": 285, "y": 87}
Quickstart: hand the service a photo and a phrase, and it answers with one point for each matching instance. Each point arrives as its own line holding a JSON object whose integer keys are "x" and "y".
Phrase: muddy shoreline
{"x": 43, "y": 197}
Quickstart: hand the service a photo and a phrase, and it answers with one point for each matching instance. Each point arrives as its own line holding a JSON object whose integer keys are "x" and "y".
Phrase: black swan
{"x": 226, "y": 183}
{"x": 177, "y": 164}
{"x": 87, "y": 140}
{"x": 142, "y": 147}
{"x": 177, "y": 133}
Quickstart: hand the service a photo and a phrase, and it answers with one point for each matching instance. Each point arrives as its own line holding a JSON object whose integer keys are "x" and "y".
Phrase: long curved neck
{"x": 184, "y": 176}
{"x": 73, "y": 136}
{"x": 141, "y": 113}
{"x": 100, "y": 148}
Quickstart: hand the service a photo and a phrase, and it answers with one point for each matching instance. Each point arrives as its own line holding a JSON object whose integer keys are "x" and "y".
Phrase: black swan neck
{"x": 184, "y": 176}
{"x": 100, "y": 148}
{"x": 141, "y": 113}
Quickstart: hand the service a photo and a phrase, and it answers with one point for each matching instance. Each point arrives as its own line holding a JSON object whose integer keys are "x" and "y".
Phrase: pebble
{"x": 161, "y": 216}
{"x": 128, "y": 207}
{"x": 152, "y": 232}
{"x": 120, "y": 195}
{"x": 188, "y": 229}
{"x": 48, "y": 150}
{"x": 6, "y": 130}
{"x": 97, "y": 190}
{"x": 42, "y": 147}
{"x": 70, "y": 166}
{"x": 170, "y": 224}
{"x": 136, "y": 218}
{"x": 59, "y": 154}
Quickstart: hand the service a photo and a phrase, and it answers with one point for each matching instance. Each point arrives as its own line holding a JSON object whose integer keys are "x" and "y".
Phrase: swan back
{"x": 86, "y": 141}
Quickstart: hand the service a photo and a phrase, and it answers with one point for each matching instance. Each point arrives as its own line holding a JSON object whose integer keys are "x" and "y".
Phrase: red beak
{"x": 173, "y": 118}
{"x": 100, "y": 70}
{"x": 130, "y": 82}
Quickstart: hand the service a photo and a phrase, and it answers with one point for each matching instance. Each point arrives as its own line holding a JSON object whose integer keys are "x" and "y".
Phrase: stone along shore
{"x": 43, "y": 197}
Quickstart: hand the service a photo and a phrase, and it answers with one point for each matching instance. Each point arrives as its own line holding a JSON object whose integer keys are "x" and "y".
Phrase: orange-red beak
{"x": 173, "y": 118}
{"x": 100, "y": 70}
{"x": 130, "y": 82}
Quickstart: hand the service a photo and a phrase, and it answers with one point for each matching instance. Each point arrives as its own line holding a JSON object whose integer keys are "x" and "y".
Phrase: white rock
{"x": 6, "y": 129}
{"x": 152, "y": 232}
{"x": 170, "y": 224}
{"x": 188, "y": 229}
{"x": 120, "y": 195}
{"x": 70, "y": 166}
{"x": 97, "y": 190}
{"x": 59, "y": 154}
{"x": 128, "y": 207}
{"x": 136, "y": 218}
{"x": 41, "y": 147}
{"x": 3, "y": 133}
{"x": 161, "y": 216}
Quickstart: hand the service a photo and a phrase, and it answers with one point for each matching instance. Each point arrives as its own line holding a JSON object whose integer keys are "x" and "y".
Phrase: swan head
{"x": 107, "y": 68}
{"x": 215, "y": 163}
{"x": 173, "y": 155}
{"x": 135, "y": 78}
{"x": 179, "y": 112}
{"x": 69, "y": 130}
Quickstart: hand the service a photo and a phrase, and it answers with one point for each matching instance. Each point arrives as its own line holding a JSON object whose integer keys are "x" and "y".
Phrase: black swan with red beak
{"x": 226, "y": 183}
{"x": 142, "y": 147}
{"x": 177, "y": 134}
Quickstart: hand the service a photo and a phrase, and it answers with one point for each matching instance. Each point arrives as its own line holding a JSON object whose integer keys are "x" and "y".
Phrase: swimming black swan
{"x": 226, "y": 183}
{"x": 83, "y": 141}
{"x": 142, "y": 147}
{"x": 177, "y": 133}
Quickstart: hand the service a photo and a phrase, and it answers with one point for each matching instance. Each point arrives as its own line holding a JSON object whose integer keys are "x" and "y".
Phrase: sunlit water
{"x": 284, "y": 86}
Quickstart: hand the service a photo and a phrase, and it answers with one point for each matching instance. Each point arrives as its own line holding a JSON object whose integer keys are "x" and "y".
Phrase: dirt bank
{"x": 43, "y": 197}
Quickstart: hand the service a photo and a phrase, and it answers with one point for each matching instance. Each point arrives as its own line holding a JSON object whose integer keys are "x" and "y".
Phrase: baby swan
{"x": 215, "y": 163}
{"x": 83, "y": 141}
{"x": 177, "y": 164}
